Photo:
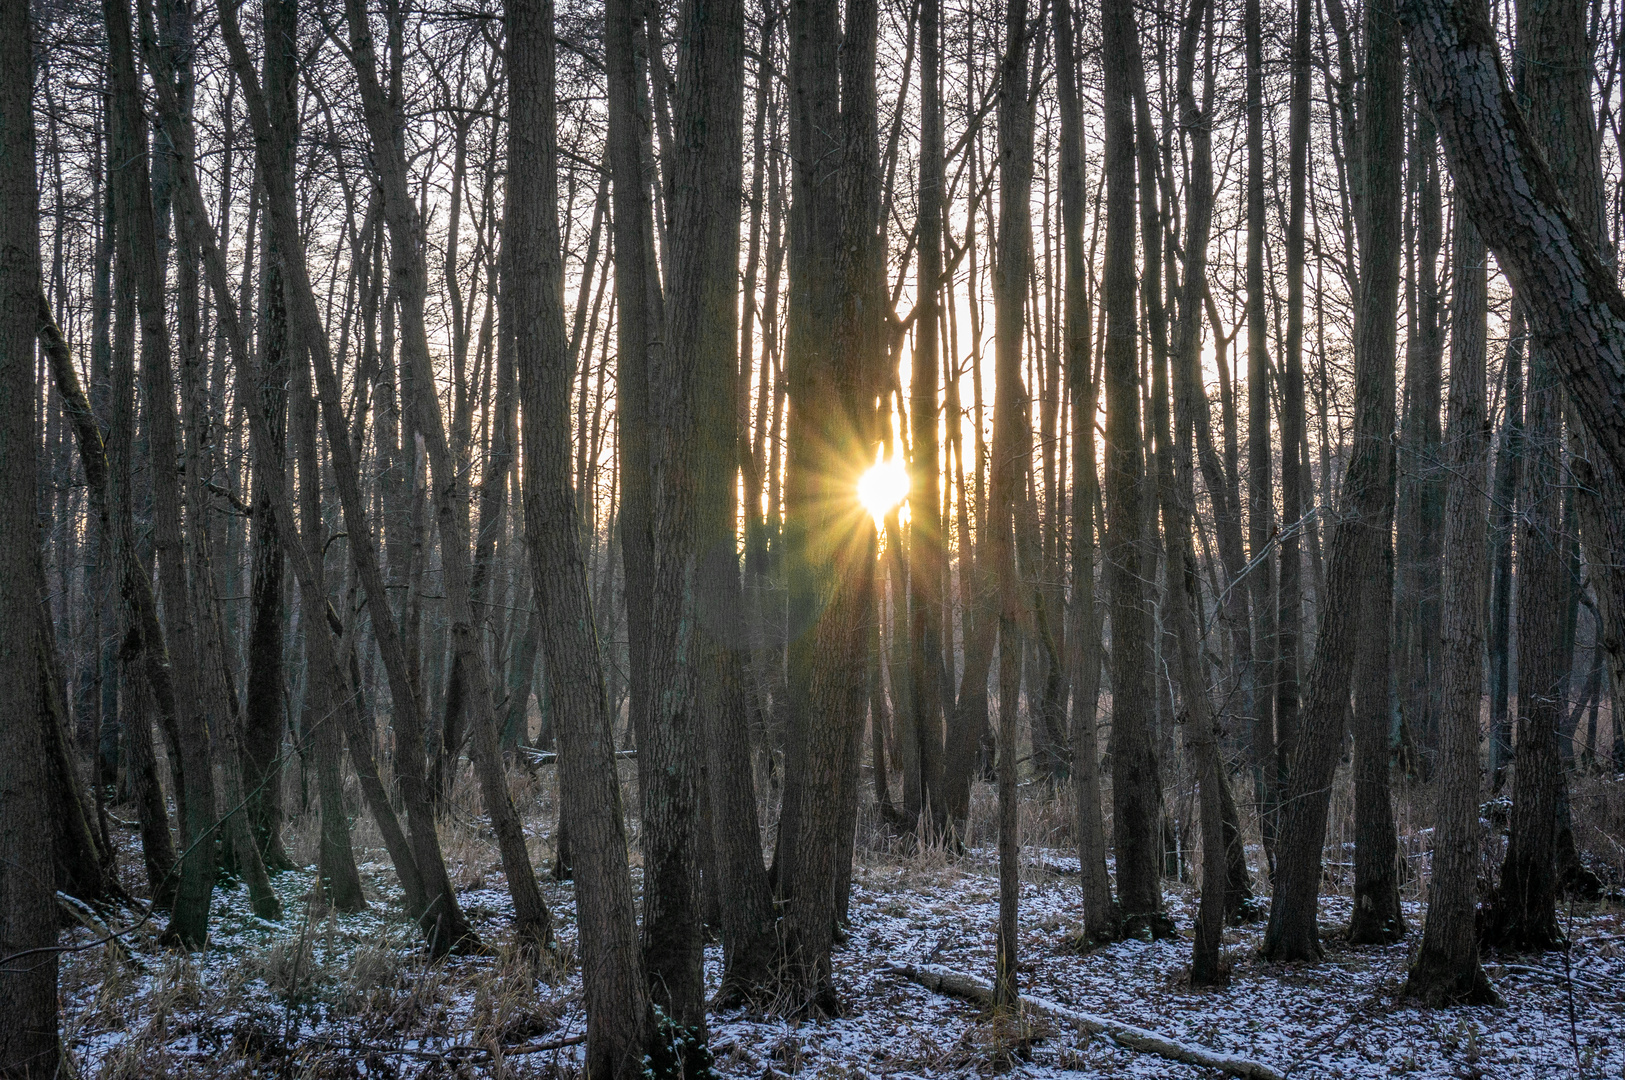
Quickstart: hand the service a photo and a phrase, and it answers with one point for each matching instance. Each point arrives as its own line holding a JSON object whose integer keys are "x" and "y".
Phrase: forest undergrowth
{"x": 327, "y": 995}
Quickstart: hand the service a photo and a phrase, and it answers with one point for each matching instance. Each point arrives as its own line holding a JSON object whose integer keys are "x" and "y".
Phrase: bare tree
{"x": 29, "y": 1044}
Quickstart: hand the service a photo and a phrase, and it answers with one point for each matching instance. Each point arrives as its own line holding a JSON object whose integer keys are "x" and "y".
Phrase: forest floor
{"x": 327, "y": 995}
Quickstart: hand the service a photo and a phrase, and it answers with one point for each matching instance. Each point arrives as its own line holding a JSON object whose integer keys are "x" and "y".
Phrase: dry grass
{"x": 327, "y": 994}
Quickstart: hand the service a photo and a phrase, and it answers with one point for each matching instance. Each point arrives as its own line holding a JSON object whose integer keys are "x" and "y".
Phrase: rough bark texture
{"x": 29, "y": 1046}
{"x": 189, "y": 920}
{"x": 617, "y": 1003}
{"x": 1446, "y": 970}
{"x": 1574, "y": 305}
{"x": 1100, "y": 916}
{"x": 704, "y": 342}
{"x": 1356, "y": 544}
{"x": 1260, "y": 477}
{"x": 263, "y": 719}
{"x": 1136, "y": 787}
{"x": 829, "y": 543}
{"x": 925, "y": 538}
{"x": 1011, "y": 431}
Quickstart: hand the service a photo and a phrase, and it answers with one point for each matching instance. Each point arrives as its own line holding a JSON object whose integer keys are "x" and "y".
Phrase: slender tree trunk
{"x": 190, "y": 918}
{"x": 1421, "y": 486}
{"x": 1011, "y": 432}
{"x": 1100, "y": 915}
{"x": 1508, "y": 478}
{"x": 1136, "y": 784}
{"x": 617, "y": 1003}
{"x": 1355, "y": 548}
{"x": 1290, "y": 607}
{"x": 925, "y": 545}
{"x": 640, "y": 330}
{"x": 1446, "y": 970}
{"x": 1260, "y": 480}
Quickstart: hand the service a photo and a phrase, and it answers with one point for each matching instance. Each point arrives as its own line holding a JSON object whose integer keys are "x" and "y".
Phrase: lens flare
{"x": 884, "y": 486}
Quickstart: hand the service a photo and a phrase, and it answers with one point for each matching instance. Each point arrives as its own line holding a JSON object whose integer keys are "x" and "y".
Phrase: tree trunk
{"x": 1446, "y": 970}
{"x": 29, "y": 1044}
{"x": 1289, "y": 623}
{"x": 830, "y": 556}
{"x": 189, "y": 920}
{"x": 1571, "y": 298}
{"x": 617, "y": 1002}
{"x": 1508, "y": 478}
{"x": 1421, "y": 486}
{"x": 1100, "y": 914}
{"x": 1011, "y": 433}
{"x": 1136, "y": 784}
{"x": 1260, "y": 480}
{"x": 1355, "y": 547}
{"x": 925, "y": 538}
{"x": 263, "y": 721}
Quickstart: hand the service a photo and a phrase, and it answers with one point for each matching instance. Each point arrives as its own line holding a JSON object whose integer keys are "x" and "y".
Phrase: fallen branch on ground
{"x": 943, "y": 981}
{"x": 548, "y": 757}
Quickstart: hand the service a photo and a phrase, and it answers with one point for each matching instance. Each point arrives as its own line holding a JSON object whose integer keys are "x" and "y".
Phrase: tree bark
{"x": 189, "y": 921}
{"x": 1136, "y": 784}
{"x": 829, "y": 543}
{"x": 1100, "y": 914}
{"x": 925, "y": 538}
{"x": 1012, "y": 433}
{"x": 264, "y": 723}
{"x": 29, "y": 1044}
{"x": 1355, "y": 547}
{"x": 617, "y": 1002}
{"x": 1446, "y": 970}
{"x": 1508, "y": 478}
{"x": 1575, "y": 309}
{"x": 1260, "y": 479}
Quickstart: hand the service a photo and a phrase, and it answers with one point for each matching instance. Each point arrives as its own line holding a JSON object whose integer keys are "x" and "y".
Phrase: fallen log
{"x": 549, "y": 757}
{"x": 945, "y": 981}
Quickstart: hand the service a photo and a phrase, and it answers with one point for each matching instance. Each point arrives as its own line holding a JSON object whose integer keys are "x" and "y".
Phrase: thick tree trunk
{"x": 617, "y": 1002}
{"x": 1573, "y": 302}
{"x": 1446, "y": 970}
{"x": 29, "y": 1045}
{"x": 830, "y": 549}
{"x": 264, "y": 723}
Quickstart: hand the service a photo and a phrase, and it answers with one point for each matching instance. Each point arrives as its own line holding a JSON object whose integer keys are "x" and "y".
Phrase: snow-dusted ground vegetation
{"x": 326, "y": 995}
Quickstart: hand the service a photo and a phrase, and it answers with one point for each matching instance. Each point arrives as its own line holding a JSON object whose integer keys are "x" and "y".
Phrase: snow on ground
{"x": 325, "y": 995}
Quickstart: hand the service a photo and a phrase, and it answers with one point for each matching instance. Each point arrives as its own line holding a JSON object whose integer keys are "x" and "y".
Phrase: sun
{"x": 883, "y": 486}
